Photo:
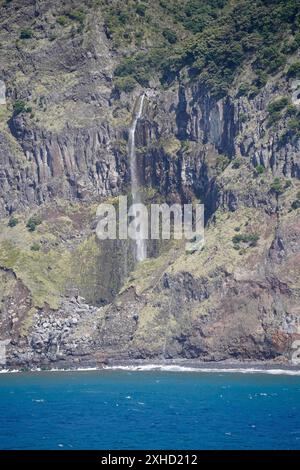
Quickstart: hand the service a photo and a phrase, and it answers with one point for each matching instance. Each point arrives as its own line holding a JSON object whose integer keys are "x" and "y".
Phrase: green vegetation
{"x": 296, "y": 203}
{"x": 171, "y": 146}
{"x": 294, "y": 70}
{"x": 13, "y": 221}
{"x": 62, "y": 20}
{"x": 261, "y": 79}
{"x": 288, "y": 184}
{"x": 294, "y": 124}
{"x": 194, "y": 15}
{"x": 170, "y": 36}
{"x": 237, "y": 162}
{"x": 260, "y": 169}
{"x": 222, "y": 163}
{"x": 116, "y": 20}
{"x": 141, "y": 9}
{"x": 277, "y": 105}
{"x": 26, "y": 34}
{"x": 77, "y": 15}
{"x": 292, "y": 45}
{"x": 213, "y": 40}
{"x": 243, "y": 118}
{"x": 140, "y": 67}
{"x": 291, "y": 110}
{"x": 46, "y": 266}
{"x": 277, "y": 186}
{"x": 250, "y": 238}
{"x": 35, "y": 247}
{"x": 126, "y": 84}
{"x": 44, "y": 274}
{"x": 275, "y": 109}
{"x": 33, "y": 222}
{"x": 243, "y": 89}
{"x": 252, "y": 89}
{"x": 20, "y": 107}
{"x": 270, "y": 59}
{"x": 74, "y": 15}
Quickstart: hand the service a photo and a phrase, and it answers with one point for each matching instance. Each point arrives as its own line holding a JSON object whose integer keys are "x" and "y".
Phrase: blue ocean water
{"x": 144, "y": 410}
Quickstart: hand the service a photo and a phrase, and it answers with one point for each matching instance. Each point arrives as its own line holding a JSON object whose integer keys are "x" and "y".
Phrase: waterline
{"x": 164, "y": 368}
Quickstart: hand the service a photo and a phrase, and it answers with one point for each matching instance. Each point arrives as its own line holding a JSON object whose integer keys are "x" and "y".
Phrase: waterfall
{"x": 141, "y": 246}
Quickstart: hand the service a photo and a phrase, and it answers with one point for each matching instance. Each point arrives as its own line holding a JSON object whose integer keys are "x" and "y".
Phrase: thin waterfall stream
{"x": 141, "y": 244}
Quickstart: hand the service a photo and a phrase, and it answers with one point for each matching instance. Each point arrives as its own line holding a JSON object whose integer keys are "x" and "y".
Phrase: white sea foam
{"x": 176, "y": 368}
{"x": 8, "y": 371}
{"x": 79, "y": 369}
{"x": 169, "y": 368}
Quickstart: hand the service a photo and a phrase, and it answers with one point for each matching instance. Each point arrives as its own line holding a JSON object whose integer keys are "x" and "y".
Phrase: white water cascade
{"x": 141, "y": 244}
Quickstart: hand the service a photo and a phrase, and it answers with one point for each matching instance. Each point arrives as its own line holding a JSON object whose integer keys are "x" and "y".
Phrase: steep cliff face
{"x": 60, "y": 84}
{"x": 65, "y": 297}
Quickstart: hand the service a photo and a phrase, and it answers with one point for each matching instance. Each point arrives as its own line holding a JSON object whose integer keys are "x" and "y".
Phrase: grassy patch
{"x": 44, "y": 274}
{"x": 171, "y": 146}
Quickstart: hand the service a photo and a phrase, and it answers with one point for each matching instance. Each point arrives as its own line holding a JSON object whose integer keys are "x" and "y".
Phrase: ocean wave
{"x": 211, "y": 370}
{"x": 79, "y": 369}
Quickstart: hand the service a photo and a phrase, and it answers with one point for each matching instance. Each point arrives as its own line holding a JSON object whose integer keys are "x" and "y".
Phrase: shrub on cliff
{"x": 270, "y": 59}
{"x": 291, "y": 110}
{"x": 13, "y": 221}
{"x": 170, "y": 35}
{"x": 237, "y": 162}
{"x": 141, "y": 9}
{"x": 20, "y": 106}
{"x": 277, "y": 105}
{"x": 243, "y": 90}
{"x": 35, "y": 247}
{"x": 140, "y": 67}
{"x": 26, "y": 33}
{"x": 222, "y": 162}
{"x": 294, "y": 70}
{"x": 249, "y": 238}
{"x": 277, "y": 186}
{"x": 77, "y": 15}
{"x": 275, "y": 109}
{"x": 261, "y": 79}
{"x": 260, "y": 169}
{"x": 62, "y": 20}
{"x": 294, "y": 124}
{"x": 33, "y": 222}
{"x": 296, "y": 203}
{"x": 126, "y": 84}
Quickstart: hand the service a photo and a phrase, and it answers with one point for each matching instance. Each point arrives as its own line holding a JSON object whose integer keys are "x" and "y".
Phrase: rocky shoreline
{"x": 268, "y": 367}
